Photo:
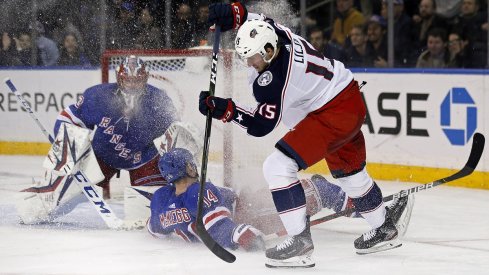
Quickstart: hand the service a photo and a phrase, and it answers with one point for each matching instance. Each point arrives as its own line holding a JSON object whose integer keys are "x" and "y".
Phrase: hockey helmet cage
{"x": 132, "y": 75}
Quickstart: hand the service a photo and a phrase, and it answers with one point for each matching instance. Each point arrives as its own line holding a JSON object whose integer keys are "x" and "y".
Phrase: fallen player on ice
{"x": 174, "y": 207}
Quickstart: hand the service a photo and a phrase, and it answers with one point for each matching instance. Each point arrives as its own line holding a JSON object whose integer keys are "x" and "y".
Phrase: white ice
{"x": 448, "y": 234}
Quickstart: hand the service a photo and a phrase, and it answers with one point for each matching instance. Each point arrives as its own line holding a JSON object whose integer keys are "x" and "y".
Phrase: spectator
{"x": 402, "y": 34}
{"x": 8, "y": 53}
{"x": 327, "y": 48}
{"x": 347, "y": 17}
{"x": 25, "y": 49}
{"x": 473, "y": 23}
{"x": 64, "y": 25}
{"x": 201, "y": 34}
{"x": 150, "y": 36}
{"x": 47, "y": 48}
{"x": 157, "y": 9}
{"x": 370, "y": 7}
{"x": 182, "y": 28}
{"x": 449, "y": 9}
{"x": 357, "y": 54}
{"x": 425, "y": 21}
{"x": 92, "y": 28}
{"x": 71, "y": 53}
{"x": 456, "y": 48}
{"x": 377, "y": 42}
{"x": 436, "y": 56}
{"x": 366, "y": 7}
{"x": 124, "y": 30}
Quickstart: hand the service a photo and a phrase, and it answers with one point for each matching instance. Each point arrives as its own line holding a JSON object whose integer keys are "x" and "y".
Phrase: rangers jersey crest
{"x": 265, "y": 78}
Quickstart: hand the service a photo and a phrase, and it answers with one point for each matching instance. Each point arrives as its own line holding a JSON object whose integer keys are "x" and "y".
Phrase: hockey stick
{"x": 476, "y": 150}
{"x": 206, "y": 238}
{"x": 103, "y": 209}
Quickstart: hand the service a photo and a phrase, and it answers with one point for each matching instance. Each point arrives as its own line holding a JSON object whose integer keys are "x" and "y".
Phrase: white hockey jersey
{"x": 298, "y": 81}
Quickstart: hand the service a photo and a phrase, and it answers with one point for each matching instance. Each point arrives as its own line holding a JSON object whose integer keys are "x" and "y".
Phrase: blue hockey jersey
{"x": 171, "y": 213}
{"x": 123, "y": 140}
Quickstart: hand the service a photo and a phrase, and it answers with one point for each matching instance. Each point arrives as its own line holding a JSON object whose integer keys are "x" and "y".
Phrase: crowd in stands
{"x": 425, "y": 36}
{"x": 422, "y": 38}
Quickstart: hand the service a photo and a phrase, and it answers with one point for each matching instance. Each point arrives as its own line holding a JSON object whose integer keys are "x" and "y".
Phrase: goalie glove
{"x": 221, "y": 108}
{"x": 248, "y": 237}
{"x": 228, "y": 16}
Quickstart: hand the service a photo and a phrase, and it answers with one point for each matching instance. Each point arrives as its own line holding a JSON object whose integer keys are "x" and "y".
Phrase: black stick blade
{"x": 213, "y": 246}
{"x": 478, "y": 142}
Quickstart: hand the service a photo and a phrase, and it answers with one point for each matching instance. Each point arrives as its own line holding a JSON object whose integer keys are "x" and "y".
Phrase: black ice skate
{"x": 378, "y": 239}
{"x": 399, "y": 211}
{"x": 295, "y": 251}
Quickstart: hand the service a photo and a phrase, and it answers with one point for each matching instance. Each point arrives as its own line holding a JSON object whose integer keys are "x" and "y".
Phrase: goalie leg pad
{"x": 48, "y": 199}
{"x": 71, "y": 145}
{"x": 137, "y": 200}
{"x": 91, "y": 168}
{"x": 31, "y": 208}
{"x": 57, "y": 193}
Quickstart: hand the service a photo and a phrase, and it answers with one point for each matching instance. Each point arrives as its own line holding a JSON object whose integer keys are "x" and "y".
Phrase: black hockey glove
{"x": 221, "y": 108}
{"x": 228, "y": 16}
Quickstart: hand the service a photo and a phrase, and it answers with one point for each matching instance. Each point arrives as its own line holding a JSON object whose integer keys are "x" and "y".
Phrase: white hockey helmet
{"x": 252, "y": 38}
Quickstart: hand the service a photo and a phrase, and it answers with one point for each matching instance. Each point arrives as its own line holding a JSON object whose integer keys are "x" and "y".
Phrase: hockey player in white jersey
{"x": 319, "y": 100}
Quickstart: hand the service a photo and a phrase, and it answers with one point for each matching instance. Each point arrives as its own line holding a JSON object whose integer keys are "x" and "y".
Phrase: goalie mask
{"x": 252, "y": 38}
{"x": 132, "y": 76}
{"x": 176, "y": 164}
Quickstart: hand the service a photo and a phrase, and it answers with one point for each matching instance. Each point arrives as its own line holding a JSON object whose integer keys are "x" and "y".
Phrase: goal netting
{"x": 235, "y": 159}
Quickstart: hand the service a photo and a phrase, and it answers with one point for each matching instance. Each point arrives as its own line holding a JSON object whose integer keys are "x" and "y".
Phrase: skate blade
{"x": 304, "y": 261}
{"x": 381, "y": 247}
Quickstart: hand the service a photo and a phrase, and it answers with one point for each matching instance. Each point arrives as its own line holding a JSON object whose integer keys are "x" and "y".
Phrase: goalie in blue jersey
{"x": 174, "y": 207}
{"x": 126, "y": 117}
{"x": 118, "y": 123}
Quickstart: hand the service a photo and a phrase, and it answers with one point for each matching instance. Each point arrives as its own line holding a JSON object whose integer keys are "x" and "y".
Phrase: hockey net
{"x": 235, "y": 159}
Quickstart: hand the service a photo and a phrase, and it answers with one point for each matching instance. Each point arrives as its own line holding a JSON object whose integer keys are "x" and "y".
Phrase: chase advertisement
{"x": 423, "y": 119}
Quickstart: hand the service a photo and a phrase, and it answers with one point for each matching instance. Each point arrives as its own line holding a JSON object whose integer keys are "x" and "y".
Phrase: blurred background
{"x": 360, "y": 33}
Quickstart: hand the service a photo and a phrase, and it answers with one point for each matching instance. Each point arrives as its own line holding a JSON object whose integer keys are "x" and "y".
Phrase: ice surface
{"x": 448, "y": 234}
